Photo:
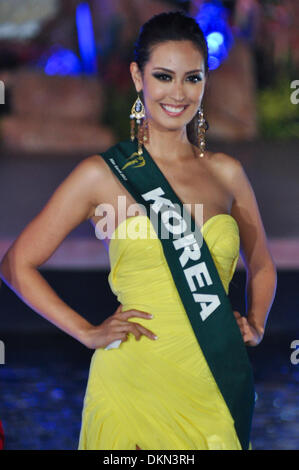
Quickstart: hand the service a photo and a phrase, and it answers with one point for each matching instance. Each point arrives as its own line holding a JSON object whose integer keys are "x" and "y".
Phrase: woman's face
{"x": 173, "y": 83}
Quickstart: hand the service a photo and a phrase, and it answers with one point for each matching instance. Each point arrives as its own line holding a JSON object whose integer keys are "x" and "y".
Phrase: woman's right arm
{"x": 73, "y": 202}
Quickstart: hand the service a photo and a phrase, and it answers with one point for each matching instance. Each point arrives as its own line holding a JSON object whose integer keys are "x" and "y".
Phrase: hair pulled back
{"x": 171, "y": 26}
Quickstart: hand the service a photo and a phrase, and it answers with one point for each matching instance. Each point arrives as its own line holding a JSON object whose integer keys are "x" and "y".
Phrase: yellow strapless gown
{"x": 158, "y": 394}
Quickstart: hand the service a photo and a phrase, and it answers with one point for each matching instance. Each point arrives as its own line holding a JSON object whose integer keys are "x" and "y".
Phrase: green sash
{"x": 196, "y": 279}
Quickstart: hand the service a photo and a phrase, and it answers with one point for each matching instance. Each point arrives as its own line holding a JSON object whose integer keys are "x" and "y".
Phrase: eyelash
{"x": 160, "y": 76}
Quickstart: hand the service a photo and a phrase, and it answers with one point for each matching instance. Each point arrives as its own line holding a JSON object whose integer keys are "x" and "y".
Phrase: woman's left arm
{"x": 261, "y": 270}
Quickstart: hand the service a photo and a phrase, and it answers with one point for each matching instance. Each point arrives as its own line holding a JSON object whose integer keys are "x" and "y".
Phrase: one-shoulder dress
{"x": 158, "y": 394}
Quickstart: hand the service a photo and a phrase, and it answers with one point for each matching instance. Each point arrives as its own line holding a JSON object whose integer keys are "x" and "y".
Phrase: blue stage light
{"x": 216, "y": 37}
{"x": 62, "y": 62}
{"x": 86, "y": 39}
{"x": 213, "y": 20}
{"x": 213, "y": 45}
{"x": 214, "y": 62}
{"x": 65, "y": 62}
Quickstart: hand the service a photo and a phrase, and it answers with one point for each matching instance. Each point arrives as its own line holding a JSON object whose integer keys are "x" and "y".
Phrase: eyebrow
{"x": 171, "y": 71}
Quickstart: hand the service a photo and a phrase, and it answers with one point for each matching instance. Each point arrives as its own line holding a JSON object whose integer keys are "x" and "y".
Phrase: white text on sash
{"x": 197, "y": 271}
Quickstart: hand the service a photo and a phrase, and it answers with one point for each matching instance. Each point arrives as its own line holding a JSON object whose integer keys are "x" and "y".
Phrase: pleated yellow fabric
{"x": 158, "y": 394}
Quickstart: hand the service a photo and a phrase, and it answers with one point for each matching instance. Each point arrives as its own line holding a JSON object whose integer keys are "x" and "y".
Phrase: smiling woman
{"x": 156, "y": 407}
{"x": 185, "y": 383}
{"x": 177, "y": 89}
{"x": 174, "y": 89}
{"x": 166, "y": 75}
{"x": 181, "y": 59}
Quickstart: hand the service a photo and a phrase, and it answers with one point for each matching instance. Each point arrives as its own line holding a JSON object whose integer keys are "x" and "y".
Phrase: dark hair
{"x": 171, "y": 26}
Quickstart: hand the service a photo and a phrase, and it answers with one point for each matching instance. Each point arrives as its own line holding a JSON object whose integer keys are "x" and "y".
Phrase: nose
{"x": 177, "y": 92}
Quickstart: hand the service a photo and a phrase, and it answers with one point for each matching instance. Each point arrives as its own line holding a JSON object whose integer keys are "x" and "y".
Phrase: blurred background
{"x": 66, "y": 93}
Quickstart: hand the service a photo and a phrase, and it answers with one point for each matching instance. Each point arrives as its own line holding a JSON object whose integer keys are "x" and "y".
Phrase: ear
{"x": 136, "y": 76}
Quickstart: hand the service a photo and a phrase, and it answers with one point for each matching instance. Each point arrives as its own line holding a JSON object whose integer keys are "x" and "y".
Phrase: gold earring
{"x": 138, "y": 113}
{"x": 146, "y": 131}
{"x": 202, "y": 128}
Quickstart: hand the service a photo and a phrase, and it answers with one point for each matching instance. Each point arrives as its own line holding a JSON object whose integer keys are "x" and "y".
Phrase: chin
{"x": 173, "y": 126}
{"x": 175, "y": 123}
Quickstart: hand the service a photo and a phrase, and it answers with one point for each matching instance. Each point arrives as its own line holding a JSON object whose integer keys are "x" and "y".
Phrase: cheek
{"x": 195, "y": 94}
{"x": 154, "y": 92}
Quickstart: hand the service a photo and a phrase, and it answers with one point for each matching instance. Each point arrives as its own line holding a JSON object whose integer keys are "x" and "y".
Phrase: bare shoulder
{"x": 226, "y": 168}
{"x": 220, "y": 162}
{"x": 91, "y": 177}
{"x": 93, "y": 172}
{"x": 94, "y": 166}
{"x": 224, "y": 164}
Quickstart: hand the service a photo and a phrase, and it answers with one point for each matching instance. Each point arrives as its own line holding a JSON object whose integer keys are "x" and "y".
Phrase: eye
{"x": 164, "y": 77}
{"x": 195, "y": 78}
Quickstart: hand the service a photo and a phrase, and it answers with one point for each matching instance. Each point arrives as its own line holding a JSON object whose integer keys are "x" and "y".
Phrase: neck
{"x": 166, "y": 145}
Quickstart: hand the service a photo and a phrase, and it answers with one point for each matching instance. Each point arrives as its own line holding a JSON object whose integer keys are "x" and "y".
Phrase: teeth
{"x": 172, "y": 110}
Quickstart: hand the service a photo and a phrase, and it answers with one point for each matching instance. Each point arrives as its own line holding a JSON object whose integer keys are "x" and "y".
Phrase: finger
{"x": 146, "y": 332}
{"x": 249, "y": 339}
{"x": 129, "y": 327}
{"x": 138, "y": 330}
{"x": 242, "y": 330}
{"x": 240, "y": 323}
{"x": 136, "y": 313}
{"x": 246, "y": 326}
{"x": 246, "y": 332}
{"x": 133, "y": 328}
{"x": 237, "y": 314}
{"x": 239, "y": 320}
{"x": 247, "y": 329}
{"x": 118, "y": 310}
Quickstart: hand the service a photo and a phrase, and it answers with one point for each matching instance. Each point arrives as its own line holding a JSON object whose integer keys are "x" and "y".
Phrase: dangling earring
{"x": 146, "y": 132}
{"x": 138, "y": 113}
{"x": 202, "y": 128}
